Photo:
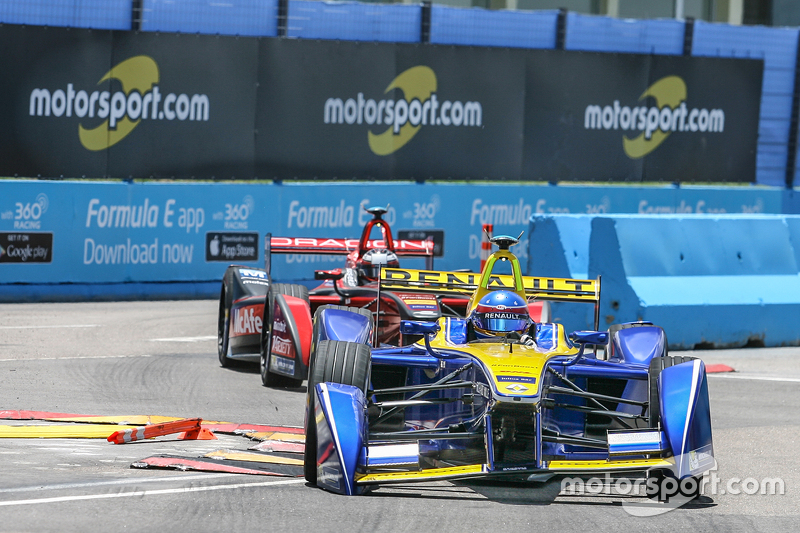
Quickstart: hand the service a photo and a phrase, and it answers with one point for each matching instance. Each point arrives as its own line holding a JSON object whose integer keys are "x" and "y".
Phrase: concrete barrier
{"x": 708, "y": 280}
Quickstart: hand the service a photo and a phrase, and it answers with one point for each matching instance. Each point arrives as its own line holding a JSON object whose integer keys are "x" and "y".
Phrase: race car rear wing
{"x": 543, "y": 288}
{"x": 306, "y": 245}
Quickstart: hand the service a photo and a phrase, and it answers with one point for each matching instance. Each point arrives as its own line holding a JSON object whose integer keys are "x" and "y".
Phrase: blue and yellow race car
{"x": 496, "y": 394}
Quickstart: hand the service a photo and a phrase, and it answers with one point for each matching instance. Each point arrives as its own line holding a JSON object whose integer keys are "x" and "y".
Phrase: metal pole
{"x": 688, "y": 36}
{"x": 679, "y": 9}
{"x": 283, "y": 17}
{"x": 136, "y": 15}
{"x": 561, "y": 28}
{"x": 425, "y": 23}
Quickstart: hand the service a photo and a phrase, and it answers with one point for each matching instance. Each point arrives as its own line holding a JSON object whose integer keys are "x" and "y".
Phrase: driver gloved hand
{"x": 527, "y": 340}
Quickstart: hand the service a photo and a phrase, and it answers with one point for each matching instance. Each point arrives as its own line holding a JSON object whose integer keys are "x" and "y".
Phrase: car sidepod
{"x": 341, "y": 433}
{"x": 686, "y": 417}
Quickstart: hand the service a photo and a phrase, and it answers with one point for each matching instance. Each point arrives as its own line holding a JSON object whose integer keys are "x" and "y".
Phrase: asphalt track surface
{"x": 159, "y": 358}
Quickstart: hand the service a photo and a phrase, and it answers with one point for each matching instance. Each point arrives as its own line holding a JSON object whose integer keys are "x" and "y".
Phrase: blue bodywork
{"x": 341, "y": 434}
{"x": 685, "y": 412}
{"x": 342, "y": 325}
{"x": 455, "y": 413}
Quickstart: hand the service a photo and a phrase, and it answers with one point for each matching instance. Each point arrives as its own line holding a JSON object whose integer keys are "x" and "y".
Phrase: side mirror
{"x": 417, "y": 327}
{"x": 328, "y": 274}
{"x": 589, "y": 337}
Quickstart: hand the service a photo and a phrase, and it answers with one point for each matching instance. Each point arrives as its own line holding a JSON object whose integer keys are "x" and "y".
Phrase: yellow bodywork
{"x": 515, "y": 369}
{"x": 479, "y": 470}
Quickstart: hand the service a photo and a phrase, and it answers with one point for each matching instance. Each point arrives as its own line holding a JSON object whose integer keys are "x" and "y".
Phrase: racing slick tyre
{"x": 657, "y": 364}
{"x": 269, "y": 379}
{"x": 342, "y": 362}
{"x": 223, "y": 327}
{"x": 315, "y": 334}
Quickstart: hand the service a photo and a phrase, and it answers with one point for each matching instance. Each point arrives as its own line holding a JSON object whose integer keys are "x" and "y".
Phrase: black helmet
{"x": 373, "y": 260}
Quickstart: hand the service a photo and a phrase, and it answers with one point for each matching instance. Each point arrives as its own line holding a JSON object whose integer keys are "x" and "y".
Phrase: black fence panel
{"x": 43, "y": 69}
{"x": 389, "y": 111}
{"x": 632, "y": 117}
{"x": 83, "y": 103}
{"x": 203, "y": 125}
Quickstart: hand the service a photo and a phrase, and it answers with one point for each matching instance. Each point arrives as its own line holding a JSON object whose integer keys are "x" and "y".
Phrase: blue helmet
{"x": 501, "y": 312}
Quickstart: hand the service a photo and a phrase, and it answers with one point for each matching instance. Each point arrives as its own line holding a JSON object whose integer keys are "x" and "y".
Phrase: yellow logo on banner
{"x": 402, "y": 117}
{"x": 670, "y": 114}
{"x": 132, "y": 97}
{"x": 139, "y": 74}
{"x": 669, "y": 91}
{"x": 416, "y": 83}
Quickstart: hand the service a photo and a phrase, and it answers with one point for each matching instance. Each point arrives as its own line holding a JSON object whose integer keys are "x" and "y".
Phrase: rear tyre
{"x": 223, "y": 328}
{"x": 270, "y": 379}
{"x": 657, "y": 364}
{"x": 348, "y": 363}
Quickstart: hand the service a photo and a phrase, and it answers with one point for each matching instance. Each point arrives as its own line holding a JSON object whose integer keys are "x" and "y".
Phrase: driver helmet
{"x": 500, "y": 313}
{"x": 373, "y": 260}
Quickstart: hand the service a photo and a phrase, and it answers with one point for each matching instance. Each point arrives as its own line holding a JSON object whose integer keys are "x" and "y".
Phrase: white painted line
{"x": 728, "y": 375}
{"x": 75, "y": 357}
{"x": 187, "y": 339}
{"x": 131, "y": 481}
{"x": 184, "y": 490}
{"x": 54, "y": 326}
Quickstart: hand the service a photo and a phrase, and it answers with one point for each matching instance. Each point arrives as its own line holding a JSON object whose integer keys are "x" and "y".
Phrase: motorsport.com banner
{"x": 78, "y": 103}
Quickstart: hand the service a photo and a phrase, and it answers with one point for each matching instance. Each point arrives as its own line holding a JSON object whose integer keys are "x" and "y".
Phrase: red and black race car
{"x": 279, "y": 334}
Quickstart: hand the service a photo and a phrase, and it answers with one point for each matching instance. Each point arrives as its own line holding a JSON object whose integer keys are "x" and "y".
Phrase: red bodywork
{"x": 362, "y": 291}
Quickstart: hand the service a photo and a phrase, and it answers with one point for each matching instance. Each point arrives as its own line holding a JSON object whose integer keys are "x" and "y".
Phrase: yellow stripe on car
{"x": 432, "y": 473}
{"x": 627, "y": 464}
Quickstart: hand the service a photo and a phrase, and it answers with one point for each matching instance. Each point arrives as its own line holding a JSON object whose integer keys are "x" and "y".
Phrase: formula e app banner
{"x": 80, "y": 103}
{"x": 388, "y": 111}
{"x": 629, "y": 117}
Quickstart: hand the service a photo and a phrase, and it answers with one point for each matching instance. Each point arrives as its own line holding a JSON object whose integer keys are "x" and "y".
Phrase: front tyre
{"x": 347, "y": 363}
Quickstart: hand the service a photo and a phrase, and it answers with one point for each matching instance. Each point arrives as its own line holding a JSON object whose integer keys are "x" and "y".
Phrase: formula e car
{"x": 497, "y": 394}
{"x": 270, "y": 323}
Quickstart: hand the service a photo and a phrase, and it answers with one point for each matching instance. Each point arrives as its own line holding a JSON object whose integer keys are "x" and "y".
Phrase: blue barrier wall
{"x": 99, "y": 14}
{"x": 482, "y": 27}
{"x": 720, "y": 280}
{"x": 606, "y": 34}
{"x": 778, "y": 48}
{"x": 239, "y": 17}
{"x": 119, "y": 234}
{"x": 360, "y": 22}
